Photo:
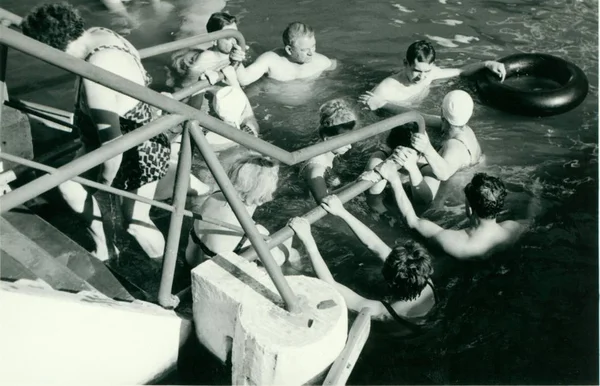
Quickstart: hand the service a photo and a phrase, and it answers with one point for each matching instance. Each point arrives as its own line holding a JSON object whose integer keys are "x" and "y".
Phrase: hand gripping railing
{"x": 181, "y": 112}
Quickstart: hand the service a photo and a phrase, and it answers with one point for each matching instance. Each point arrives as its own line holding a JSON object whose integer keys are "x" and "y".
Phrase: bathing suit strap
{"x": 400, "y": 319}
{"x": 465, "y": 145}
{"x": 240, "y": 245}
{"x": 199, "y": 243}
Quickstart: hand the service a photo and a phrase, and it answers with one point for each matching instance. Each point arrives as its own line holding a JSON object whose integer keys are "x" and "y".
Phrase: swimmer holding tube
{"x": 411, "y": 85}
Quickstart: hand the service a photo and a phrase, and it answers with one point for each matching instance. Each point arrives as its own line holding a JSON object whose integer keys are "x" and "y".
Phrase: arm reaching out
{"x": 252, "y": 73}
{"x": 470, "y": 69}
{"x": 354, "y": 301}
{"x": 333, "y": 205}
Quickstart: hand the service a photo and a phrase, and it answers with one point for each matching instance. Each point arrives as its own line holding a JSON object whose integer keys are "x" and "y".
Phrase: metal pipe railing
{"x": 136, "y": 91}
{"x": 357, "y": 135}
{"x": 9, "y": 17}
{"x": 244, "y": 218}
{"x": 118, "y": 192}
{"x": 86, "y": 162}
{"x": 349, "y": 191}
{"x": 3, "y": 88}
{"x": 23, "y": 106}
{"x": 182, "y": 181}
{"x": 193, "y": 41}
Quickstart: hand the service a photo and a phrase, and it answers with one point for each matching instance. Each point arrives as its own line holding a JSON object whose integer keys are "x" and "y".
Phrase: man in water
{"x": 484, "y": 199}
{"x": 411, "y": 85}
{"x": 297, "y": 59}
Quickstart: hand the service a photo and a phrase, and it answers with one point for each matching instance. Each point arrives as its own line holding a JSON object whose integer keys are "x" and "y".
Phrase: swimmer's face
{"x": 225, "y": 45}
{"x": 302, "y": 50}
{"x": 418, "y": 71}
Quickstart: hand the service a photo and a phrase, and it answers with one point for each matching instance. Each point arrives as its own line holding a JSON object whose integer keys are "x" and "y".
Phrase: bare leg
{"x": 139, "y": 224}
{"x": 84, "y": 204}
{"x": 164, "y": 189}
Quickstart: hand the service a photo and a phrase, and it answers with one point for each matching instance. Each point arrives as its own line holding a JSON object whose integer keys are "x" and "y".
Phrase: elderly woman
{"x": 336, "y": 118}
{"x": 103, "y": 115}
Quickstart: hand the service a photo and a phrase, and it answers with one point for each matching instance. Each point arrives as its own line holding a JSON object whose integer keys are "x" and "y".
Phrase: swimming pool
{"x": 531, "y": 318}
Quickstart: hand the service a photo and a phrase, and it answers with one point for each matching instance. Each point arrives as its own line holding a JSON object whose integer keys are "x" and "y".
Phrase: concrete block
{"x": 15, "y": 136}
{"x": 238, "y": 312}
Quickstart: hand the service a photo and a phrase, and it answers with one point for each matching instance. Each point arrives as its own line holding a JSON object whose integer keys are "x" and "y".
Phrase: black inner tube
{"x": 572, "y": 89}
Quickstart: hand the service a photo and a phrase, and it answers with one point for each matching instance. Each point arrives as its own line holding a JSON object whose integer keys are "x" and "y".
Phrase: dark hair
{"x": 56, "y": 25}
{"x": 401, "y": 135}
{"x": 218, "y": 21}
{"x": 420, "y": 51}
{"x": 407, "y": 270}
{"x": 296, "y": 30}
{"x": 486, "y": 195}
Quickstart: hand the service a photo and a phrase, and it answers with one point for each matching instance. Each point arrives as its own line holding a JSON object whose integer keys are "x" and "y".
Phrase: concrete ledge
{"x": 53, "y": 337}
{"x": 238, "y": 312}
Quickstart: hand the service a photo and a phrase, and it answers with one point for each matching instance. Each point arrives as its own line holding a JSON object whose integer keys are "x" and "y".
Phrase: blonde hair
{"x": 255, "y": 178}
{"x": 336, "y": 117}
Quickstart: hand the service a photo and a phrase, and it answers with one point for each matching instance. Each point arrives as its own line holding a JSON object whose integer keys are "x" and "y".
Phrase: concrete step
{"x": 39, "y": 262}
{"x": 12, "y": 270}
{"x": 68, "y": 253}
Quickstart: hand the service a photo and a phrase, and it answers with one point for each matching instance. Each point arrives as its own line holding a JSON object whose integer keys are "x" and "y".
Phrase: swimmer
{"x": 411, "y": 86}
{"x": 117, "y": 7}
{"x": 191, "y": 65}
{"x": 103, "y": 115}
{"x": 297, "y": 59}
{"x": 336, "y": 118}
{"x": 407, "y": 269}
{"x": 399, "y": 136}
{"x": 255, "y": 179}
{"x": 484, "y": 199}
{"x": 459, "y": 149}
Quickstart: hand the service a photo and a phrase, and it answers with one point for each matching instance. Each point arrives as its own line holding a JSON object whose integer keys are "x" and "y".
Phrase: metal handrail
{"x": 182, "y": 112}
{"x": 193, "y": 41}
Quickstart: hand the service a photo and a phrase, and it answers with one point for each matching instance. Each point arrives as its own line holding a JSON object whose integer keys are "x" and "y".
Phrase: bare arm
{"x": 454, "y": 156}
{"x": 470, "y": 69}
{"x": 314, "y": 174}
{"x": 333, "y": 205}
{"x": 252, "y": 73}
{"x": 388, "y": 93}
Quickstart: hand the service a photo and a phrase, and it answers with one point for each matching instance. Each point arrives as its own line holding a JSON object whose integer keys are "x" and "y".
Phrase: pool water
{"x": 529, "y": 316}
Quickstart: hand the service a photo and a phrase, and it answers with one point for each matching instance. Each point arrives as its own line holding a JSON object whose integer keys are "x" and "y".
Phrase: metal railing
{"x": 180, "y": 112}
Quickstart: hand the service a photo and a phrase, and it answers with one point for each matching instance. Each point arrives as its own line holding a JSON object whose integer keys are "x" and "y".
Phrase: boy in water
{"x": 484, "y": 199}
{"x": 297, "y": 59}
{"x": 411, "y": 85}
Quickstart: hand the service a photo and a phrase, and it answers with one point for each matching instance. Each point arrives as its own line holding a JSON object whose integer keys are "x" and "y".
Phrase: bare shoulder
{"x": 390, "y": 84}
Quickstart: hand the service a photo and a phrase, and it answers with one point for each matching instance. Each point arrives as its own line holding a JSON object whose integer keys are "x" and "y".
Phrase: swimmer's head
{"x": 57, "y": 25}
{"x": 485, "y": 196}
{"x": 401, "y": 135}
{"x": 457, "y": 108}
{"x": 336, "y": 118}
{"x": 219, "y": 21}
{"x": 419, "y": 60}
{"x": 299, "y": 42}
{"x": 254, "y": 177}
{"x": 407, "y": 270}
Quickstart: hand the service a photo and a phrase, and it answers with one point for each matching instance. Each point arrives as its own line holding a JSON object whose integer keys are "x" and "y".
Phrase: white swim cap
{"x": 229, "y": 104}
{"x": 457, "y": 107}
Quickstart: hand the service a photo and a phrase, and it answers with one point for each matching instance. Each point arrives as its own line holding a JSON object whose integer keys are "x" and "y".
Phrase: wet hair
{"x": 420, "y": 51}
{"x": 336, "y": 118}
{"x": 401, "y": 135}
{"x": 407, "y": 270}
{"x": 218, "y": 21}
{"x": 486, "y": 195}
{"x": 56, "y": 25}
{"x": 254, "y": 177}
{"x": 296, "y": 30}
